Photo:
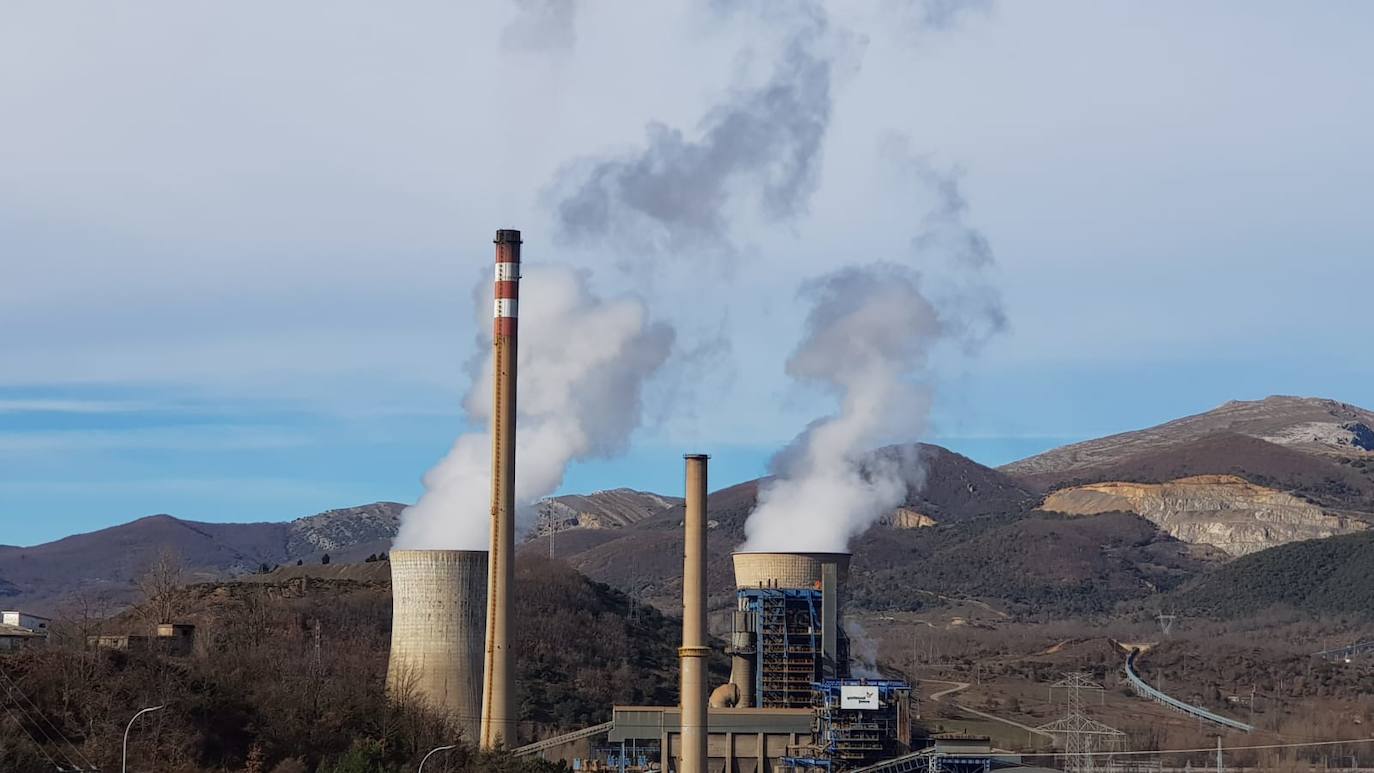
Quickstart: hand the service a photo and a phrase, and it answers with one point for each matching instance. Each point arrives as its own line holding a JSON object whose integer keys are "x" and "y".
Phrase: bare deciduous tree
{"x": 160, "y": 583}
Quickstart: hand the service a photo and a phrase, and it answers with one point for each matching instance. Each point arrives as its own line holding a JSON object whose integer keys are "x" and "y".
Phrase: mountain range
{"x": 1076, "y": 530}
{"x": 106, "y": 563}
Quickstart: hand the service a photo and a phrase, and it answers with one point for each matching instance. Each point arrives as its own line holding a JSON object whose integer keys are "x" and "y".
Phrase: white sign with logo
{"x": 858, "y": 696}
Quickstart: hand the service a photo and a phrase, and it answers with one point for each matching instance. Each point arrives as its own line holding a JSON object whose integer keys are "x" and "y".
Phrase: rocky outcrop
{"x": 1340, "y": 436}
{"x": 1224, "y": 511}
{"x": 906, "y": 518}
{"x": 611, "y": 509}
{"x": 339, "y": 530}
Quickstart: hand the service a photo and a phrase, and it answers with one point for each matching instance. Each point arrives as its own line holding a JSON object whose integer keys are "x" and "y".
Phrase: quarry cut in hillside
{"x": 906, "y": 518}
{"x": 1223, "y": 511}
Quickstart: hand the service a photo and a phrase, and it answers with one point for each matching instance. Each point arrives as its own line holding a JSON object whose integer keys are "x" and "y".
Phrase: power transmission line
{"x": 42, "y": 749}
{"x": 1291, "y": 745}
{"x": 1079, "y": 734}
{"x": 14, "y": 688}
{"x": 35, "y": 741}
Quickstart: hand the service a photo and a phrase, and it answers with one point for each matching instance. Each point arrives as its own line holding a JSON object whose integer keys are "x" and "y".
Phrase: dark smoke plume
{"x": 761, "y": 145}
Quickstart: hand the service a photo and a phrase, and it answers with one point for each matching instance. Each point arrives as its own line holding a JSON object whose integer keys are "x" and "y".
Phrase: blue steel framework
{"x": 788, "y": 648}
{"x": 847, "y": 739}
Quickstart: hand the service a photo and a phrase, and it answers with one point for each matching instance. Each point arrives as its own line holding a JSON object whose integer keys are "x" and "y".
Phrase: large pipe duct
{"x": 436, "y": 631}
{"x": 498, "y": 705}
{"x": 693, "y": 653}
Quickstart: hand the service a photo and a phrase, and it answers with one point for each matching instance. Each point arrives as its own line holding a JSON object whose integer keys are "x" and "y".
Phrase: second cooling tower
{"x": 437, "y": 630}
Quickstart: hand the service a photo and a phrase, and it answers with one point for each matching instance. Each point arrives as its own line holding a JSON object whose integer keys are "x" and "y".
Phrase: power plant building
{"x": 786, "y": 634}
{"x": 789, "y": 704}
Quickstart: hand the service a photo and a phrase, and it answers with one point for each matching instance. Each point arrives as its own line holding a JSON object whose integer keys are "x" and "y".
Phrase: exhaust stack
{"x": 693, "y": 653}
{"x": 498, "y": 706}
{"x": 436, "y": 631}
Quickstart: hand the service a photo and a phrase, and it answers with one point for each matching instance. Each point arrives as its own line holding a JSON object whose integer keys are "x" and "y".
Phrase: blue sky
{"x": 238, "y": 245}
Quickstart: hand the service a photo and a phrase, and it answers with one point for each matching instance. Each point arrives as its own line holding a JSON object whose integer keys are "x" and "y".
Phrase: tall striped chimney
{"x": 498, "y": 705}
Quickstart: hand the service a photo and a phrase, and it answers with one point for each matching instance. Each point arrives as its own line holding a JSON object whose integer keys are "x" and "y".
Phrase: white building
{"x": 15, "y": 619}
{"x": 21, "y": 629}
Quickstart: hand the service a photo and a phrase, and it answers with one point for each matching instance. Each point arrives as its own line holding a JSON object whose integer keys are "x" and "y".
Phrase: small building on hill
{"x": 12, "y": 638}
{"x": 176, "y": 638}
{"x": 17, "y": 619}
{"x": 118, "y": 641}
{"x": 21, "y": 629}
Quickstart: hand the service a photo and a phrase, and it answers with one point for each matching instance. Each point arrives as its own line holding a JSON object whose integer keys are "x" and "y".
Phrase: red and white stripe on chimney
{"x": 507, "y": 282}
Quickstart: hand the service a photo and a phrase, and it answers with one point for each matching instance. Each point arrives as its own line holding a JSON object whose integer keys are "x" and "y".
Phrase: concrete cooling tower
{"x": 437, "y": 628}
{"x": 787, "y": 570}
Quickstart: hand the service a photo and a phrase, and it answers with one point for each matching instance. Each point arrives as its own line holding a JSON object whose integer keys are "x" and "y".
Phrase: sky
{"x": 239, "y": 242}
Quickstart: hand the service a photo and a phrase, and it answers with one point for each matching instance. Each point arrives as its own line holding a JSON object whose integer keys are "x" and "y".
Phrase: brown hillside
{"x": 283, "y": 670}
{"x": 1053, "y": 565}
{"x": 1327, "y": 481}
{"x": 1311, "y": 426}
{"x": 1040, "y": 566}
{"x": 38, "y": 578}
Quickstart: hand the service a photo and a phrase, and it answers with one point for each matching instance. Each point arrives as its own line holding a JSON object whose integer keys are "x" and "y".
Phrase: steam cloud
{"x": 582, "y": 366}
{"x": 868, "y": 340}
{"x": 542, "y": 25}
{"x": 762, "y": 143}
{"x": 935, "y": 15}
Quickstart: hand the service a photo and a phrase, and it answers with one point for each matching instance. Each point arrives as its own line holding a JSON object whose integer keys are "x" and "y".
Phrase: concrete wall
{"x": 437, "y": 631}
{"x": 786, "y": 570}
{"x": 747, "y": 740}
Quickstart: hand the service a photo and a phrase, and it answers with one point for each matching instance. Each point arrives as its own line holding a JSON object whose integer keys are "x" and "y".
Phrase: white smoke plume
{"x": 760, "y": 146}
{"x": 863, "y": 651}
{"x": 581, "y": 370}
{"x": 936, "y": 15}
{"x": 868, "y": 340}
{"x": 542, "y": 25}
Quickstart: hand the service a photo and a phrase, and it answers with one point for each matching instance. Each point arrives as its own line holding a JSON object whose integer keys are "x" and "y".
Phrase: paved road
{"x": 950, "y": 691}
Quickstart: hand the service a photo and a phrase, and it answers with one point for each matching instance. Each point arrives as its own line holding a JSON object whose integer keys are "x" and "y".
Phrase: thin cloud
{"x": 181, "y": 438}
{"x": 58, "y": 405}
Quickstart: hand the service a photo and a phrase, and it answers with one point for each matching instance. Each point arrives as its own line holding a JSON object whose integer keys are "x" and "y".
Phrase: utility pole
{"x": 1220, "y": 767}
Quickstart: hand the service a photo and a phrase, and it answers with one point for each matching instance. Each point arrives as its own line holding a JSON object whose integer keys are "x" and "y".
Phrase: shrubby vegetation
{"x": 1040, "y": 566}
{"x": 289, "y": 680}
{"x": 1329, "y": 576}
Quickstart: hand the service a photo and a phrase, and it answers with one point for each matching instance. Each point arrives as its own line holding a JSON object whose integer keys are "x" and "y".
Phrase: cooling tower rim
{"x": 807, "y": 553}
{"x": 401, "y": 552}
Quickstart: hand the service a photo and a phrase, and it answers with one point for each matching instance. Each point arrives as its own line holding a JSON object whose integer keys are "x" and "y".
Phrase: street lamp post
{"x": 433, "y": 752}
{"x": 124, "y": 757}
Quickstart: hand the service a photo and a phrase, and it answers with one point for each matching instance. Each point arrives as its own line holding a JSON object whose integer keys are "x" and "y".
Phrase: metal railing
{"x": 1146, "y": 691}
